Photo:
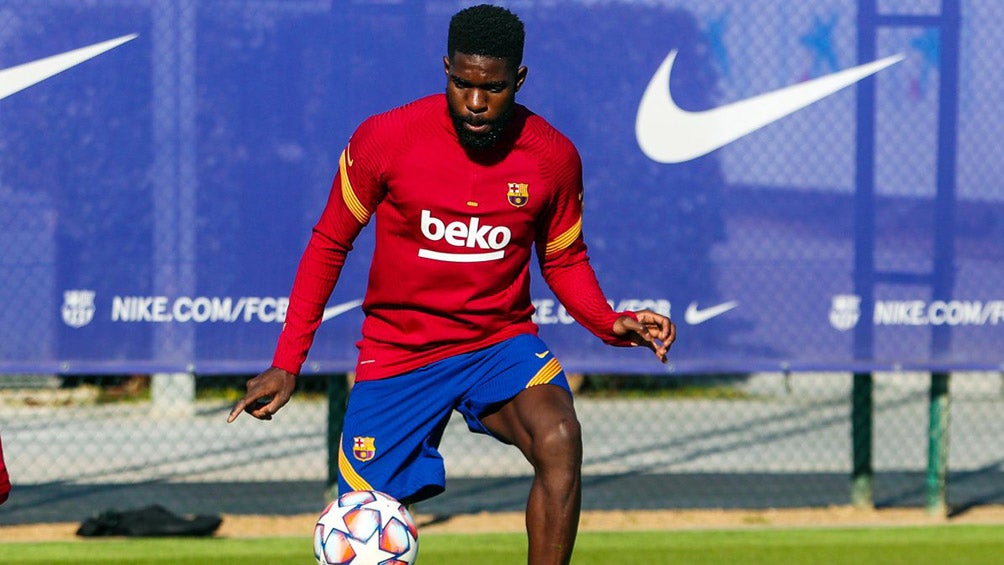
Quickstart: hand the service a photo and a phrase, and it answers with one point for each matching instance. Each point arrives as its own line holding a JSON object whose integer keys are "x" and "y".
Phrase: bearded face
{"x": 469, "y": 129}
{"x": 481, "y": 95}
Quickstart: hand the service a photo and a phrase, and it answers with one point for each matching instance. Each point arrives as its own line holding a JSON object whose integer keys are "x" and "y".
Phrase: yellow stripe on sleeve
{"x": 348, "y": 473}
{"x": 359, "y": 212}
{"x": 565, "y": 239}
{"x": 546, "y": 373}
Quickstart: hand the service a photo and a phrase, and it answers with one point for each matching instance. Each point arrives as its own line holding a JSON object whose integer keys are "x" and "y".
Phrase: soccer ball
{"x": 365, "y": 527}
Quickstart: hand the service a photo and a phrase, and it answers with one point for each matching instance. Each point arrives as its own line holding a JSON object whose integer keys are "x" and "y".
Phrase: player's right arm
{"x": 350, "y": 205}
{"x": 266, "y": 394}
{"x": 355, "y": 192}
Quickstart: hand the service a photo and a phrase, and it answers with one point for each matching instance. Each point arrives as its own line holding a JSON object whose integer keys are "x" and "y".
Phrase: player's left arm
{"x": 564, "y": 262}
{"x": 650, "y": 329}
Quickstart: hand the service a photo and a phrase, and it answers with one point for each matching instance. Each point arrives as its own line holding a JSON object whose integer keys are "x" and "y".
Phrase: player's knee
{"x": 559, "y": 444}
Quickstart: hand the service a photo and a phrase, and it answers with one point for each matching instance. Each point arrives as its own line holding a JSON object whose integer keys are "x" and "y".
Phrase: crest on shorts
{"x": 363, "y": 448}
{"x": 518, "y": 194}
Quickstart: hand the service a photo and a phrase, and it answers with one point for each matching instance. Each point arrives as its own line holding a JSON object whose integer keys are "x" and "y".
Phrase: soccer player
{"x": 462, "y": 186}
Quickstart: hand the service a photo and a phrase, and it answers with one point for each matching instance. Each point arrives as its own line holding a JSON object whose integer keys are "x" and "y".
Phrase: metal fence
{"x": 77, "y": 446}
{"x": 861, "y": 233}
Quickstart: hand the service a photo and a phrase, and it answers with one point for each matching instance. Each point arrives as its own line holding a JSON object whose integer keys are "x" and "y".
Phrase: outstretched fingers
{"x": 659, "y": 332}
{"x": 266, "y": 394}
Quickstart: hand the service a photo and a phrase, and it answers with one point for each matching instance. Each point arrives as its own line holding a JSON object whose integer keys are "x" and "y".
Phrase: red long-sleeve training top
{"x": 454, "y": 233}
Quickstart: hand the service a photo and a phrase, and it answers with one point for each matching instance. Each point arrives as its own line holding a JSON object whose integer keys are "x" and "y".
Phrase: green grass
{"x": 941, "y": 545}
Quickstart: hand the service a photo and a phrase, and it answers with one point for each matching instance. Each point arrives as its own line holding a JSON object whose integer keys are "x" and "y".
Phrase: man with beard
{"x": 463, "y": 186}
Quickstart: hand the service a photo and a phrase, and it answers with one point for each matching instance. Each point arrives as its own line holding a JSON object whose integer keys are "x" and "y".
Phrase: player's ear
{"x": 520, "y": 77}
{"x": 446, "y": 64}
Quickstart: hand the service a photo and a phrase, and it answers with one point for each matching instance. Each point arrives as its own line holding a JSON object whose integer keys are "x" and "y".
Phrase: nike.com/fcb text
{"x": 199, "y": 309}
{"x": 548, "y": 311}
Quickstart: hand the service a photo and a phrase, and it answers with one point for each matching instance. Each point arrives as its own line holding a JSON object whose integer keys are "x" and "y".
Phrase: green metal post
{"x": 338, "y": 391}
{"x": 862, "y": 417}
{"x": 937, "y": 445}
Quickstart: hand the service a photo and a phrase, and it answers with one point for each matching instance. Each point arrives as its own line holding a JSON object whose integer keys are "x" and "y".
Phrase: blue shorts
{"x": 393, "y": 426}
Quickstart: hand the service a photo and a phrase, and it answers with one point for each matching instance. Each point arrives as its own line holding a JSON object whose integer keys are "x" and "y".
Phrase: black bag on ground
{"x": 149, "y": 521}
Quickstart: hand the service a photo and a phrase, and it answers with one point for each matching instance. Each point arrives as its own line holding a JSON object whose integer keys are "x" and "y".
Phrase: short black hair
{"x": 492, "y": 31}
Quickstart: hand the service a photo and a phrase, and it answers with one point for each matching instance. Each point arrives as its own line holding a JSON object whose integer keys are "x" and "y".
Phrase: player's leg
{"x": 520, "y": 395}
{"x": 542, "y": 423}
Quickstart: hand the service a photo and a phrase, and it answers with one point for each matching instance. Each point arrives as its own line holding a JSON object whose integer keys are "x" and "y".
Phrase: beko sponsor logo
{"x": 845, "y": 312}
{"x": 548, "y": 311}
{"x": 490, "y": 241}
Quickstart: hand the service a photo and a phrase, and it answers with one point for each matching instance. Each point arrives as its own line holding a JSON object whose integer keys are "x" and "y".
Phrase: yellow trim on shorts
{"x": 566, "y": 239}
{"x": 546, "y": 373}
{"x": 356, "y": 208}
{"x": 348, "y": 473}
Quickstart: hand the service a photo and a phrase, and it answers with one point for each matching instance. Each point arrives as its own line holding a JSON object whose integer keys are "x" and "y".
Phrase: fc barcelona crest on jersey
{"x": 364, "y": 448}
{"x": 518, "y": 194}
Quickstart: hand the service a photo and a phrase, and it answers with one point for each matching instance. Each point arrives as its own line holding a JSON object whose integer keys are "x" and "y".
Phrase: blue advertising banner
{"x": 800, "y": 185}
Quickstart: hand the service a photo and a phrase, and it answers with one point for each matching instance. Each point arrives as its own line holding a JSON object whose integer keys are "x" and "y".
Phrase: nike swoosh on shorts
{"x": 667, "y": 133}
{"x": 16, "y": 79}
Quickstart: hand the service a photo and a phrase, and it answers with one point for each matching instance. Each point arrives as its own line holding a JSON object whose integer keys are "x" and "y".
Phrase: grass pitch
{"x": 955, "y": 544}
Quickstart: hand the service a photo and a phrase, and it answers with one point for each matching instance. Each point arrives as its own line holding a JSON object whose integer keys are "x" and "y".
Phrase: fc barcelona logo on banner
{"x": 518, "y": 194}
{"x": 364, "y": 448}
{"x": 845, "y": 311}
{"x": 78, "y": 307}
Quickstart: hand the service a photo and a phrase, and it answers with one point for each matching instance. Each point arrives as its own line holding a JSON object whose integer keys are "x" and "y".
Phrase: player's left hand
{"x": 655, "y": 331}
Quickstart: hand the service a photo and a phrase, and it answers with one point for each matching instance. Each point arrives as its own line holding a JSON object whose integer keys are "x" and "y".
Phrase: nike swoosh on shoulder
{"x": 339, "y": 309}
{"x": 667, "y": 133}
{"x": 16, "y": 79}
{"x": 694, "y": 315}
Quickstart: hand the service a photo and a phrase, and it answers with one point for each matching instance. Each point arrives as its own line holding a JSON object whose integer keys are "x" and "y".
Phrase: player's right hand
{"x": 266, "y": 394}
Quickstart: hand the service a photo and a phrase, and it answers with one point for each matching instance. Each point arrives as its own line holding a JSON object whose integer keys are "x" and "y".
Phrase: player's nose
{"x": 477, "y": 101}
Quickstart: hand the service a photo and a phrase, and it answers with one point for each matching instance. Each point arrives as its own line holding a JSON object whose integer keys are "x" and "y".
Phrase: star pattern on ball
{"x": 388, "y": 509}
{"x": 371, "y": 548}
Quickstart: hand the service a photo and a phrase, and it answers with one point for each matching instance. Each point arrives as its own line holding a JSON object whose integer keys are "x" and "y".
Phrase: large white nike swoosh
{"x": 16, "y": 79}
{"x": 339, "y": 309}
{"x": 667, "y": 133}
{"x": 694, "y": 316}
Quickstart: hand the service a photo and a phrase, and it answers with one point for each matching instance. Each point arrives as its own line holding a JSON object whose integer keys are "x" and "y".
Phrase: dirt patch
{"x": 236, "y": 526}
